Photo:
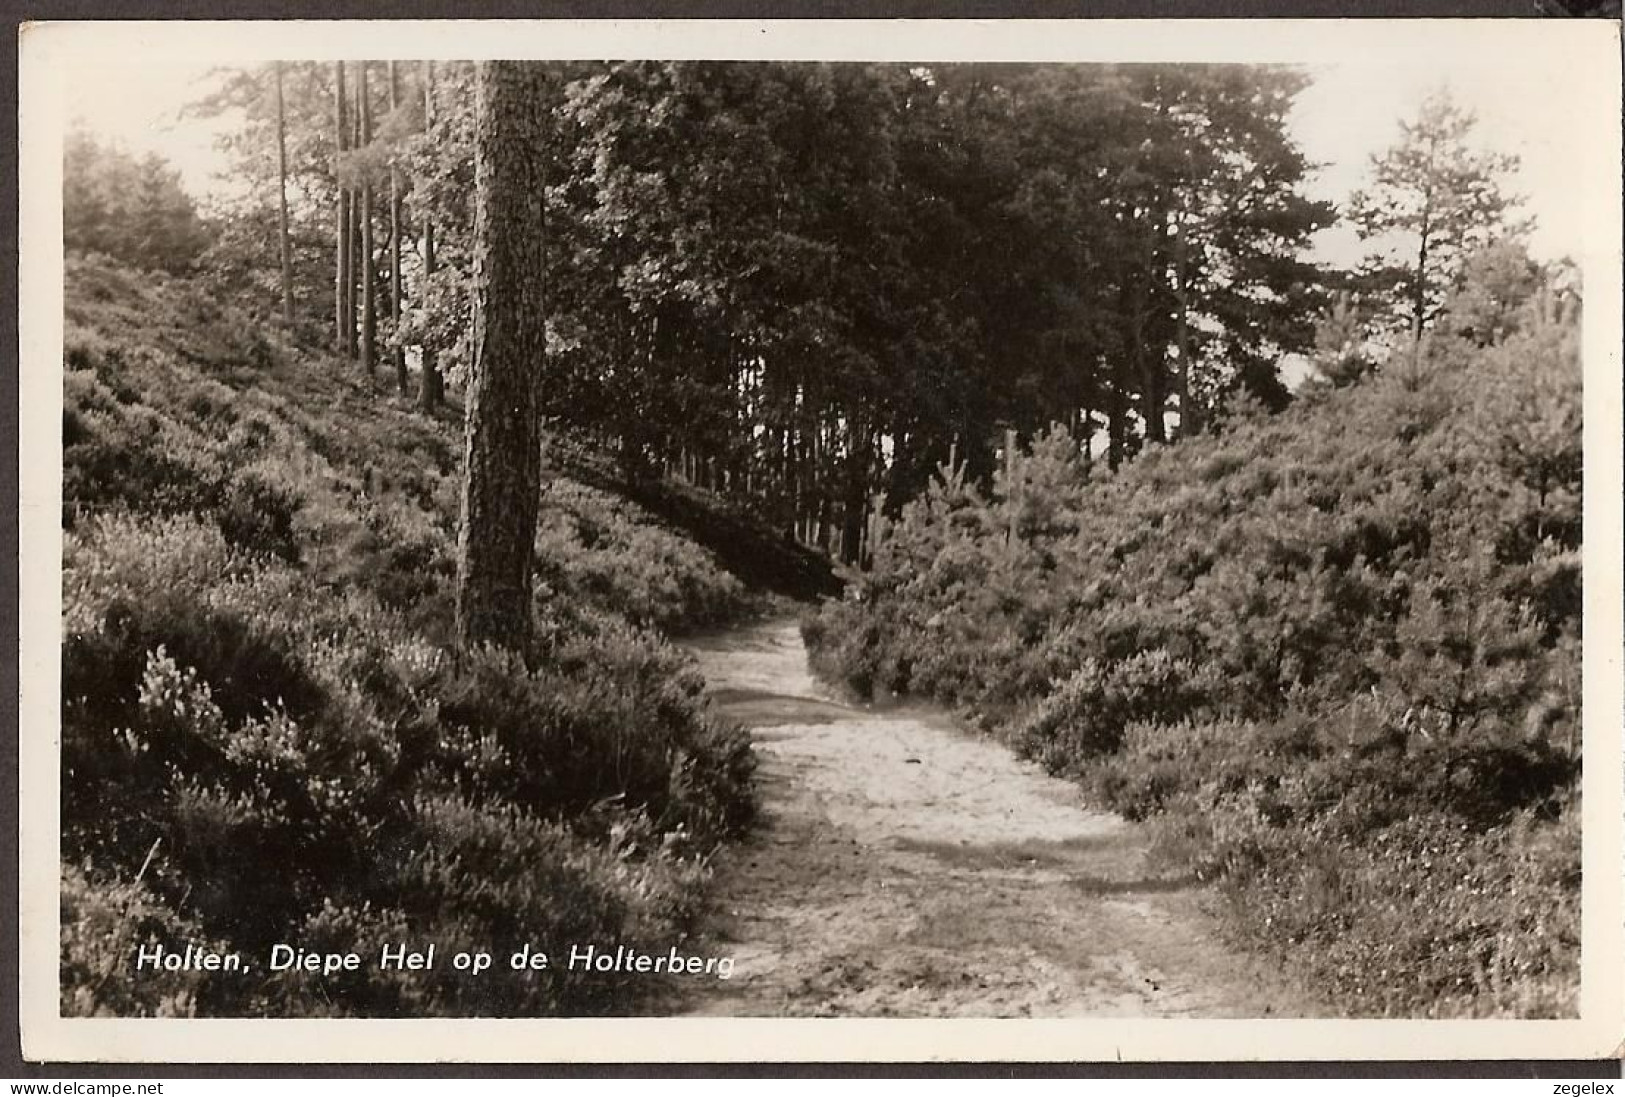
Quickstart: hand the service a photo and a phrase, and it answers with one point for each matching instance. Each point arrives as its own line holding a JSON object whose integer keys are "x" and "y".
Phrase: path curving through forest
{"x": 906, "y": 867}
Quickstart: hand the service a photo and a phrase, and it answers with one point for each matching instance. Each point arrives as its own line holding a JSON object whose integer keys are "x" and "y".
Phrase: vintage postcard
{"x": 821, "y": 541}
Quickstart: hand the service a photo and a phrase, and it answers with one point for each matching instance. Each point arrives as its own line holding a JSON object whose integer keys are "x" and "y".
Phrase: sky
{"x": 1351, "y": 111}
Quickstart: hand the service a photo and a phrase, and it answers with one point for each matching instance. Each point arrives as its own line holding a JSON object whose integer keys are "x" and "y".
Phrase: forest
{"x": 394, "y": 478}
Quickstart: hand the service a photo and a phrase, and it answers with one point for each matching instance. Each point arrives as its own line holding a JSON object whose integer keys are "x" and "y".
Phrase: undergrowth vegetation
{"x": 1333, "y": 656}
{"x": 266, "y": 737}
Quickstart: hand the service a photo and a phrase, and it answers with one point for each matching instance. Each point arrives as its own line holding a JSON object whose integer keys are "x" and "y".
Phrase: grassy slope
{"x": 1332, "y": 656}
{"x": 266, "y": 738}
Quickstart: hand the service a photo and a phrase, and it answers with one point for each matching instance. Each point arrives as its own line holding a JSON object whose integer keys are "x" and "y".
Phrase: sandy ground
{"x": 905, "y": 867}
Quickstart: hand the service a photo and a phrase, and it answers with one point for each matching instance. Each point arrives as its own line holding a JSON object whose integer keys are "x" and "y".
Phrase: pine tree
{"x": 134, "y": 210}
{"x": 395, "y": 296}
{"x": 284, "y": 247}
{"x": 1341, "y": 355}
{"x": 1432, "y": 200}
{"x": 344, "y": 250}
{"x": 369, "y": 270}
{"x": 431, "y": 386}
{"x": 502, "y": 453}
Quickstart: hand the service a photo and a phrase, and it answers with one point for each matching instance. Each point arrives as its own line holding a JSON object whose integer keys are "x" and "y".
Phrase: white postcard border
{"x": 52, "y": 52}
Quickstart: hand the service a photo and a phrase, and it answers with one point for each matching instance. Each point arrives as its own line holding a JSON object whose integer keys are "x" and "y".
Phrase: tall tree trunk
{"x": 1012, "y": 491}
{"x": 823, "y": 477}
{"x": 1153, "y": 403}
{"x": 344, "y": 314}
{"x": 395, "y": 243}
{"x": 1419, "y": 287}
{"x": 788, "y": 473}
{"x": 431, "y": 386}
{"x": 502, "y": 451}
{"x": 805, "y": 475}
{"x": 282, "y": 190}
{"x": 855, "y": 499}
{"x": 369, "y": 270}
{"x": 1190, "y": 421}
{"x": 1116, "y": 426}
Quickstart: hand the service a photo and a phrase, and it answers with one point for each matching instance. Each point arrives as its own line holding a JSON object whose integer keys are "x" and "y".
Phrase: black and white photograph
{"x": 1099, "y": 527}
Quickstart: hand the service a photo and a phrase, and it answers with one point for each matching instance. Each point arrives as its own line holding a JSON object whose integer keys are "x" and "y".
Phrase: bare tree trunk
{"x": 395, "y": 243}
{"x": 1116, "y": 426}
{"x": 1150, "y": 365}
{"x": 825, "y": 514}
{"x": 343, "y": 318}
{"x": 369, "y": 270}
{"x": 502, "y": 451}
{"x": 1190, "y": 421}
{"x": 282, "y": 184}
{"x": 431, "y": 386}
{"x": 1012, "y": 492}
{"x": 855, "y": 498}
{"x": 1419, "y": 287}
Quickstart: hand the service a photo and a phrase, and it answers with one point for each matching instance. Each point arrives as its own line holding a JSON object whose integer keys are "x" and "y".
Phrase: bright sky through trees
{"x": 1350, "y": 112}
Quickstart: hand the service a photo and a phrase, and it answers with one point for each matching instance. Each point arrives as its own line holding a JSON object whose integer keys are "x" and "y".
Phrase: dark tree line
{"x": 809, "y": 285}
{"x": 806, "y": 286}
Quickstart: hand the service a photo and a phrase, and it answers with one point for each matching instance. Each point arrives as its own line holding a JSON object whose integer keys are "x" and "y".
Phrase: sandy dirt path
{"x": 905, "y": 867}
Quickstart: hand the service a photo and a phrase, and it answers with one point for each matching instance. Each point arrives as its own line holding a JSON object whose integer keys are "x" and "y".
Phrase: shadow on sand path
{"x": 905, "y": 867}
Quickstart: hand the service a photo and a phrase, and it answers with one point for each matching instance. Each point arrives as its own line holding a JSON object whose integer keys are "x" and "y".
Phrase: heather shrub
{"x": 497, "y": 875}
{"x": 1424, "y": 917}
{"x": 610, "y": 553}
{"x": 1294, "y": 646}
{"x": 169, "y": 410}
{"x": 1086, "y": 715}
{"x": 219, "y": 710}
{"x": 103, "y": 925}
{"x": 618, "y": 719}
{"x": 266, "y": 735}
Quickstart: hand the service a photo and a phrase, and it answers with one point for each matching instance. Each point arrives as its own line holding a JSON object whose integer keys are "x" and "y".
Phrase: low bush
{"x": 267, "y": 737}
{"x": 611, "y": 553}
{"x": 220, "y": 709}
{"x": 1296, "y": 646}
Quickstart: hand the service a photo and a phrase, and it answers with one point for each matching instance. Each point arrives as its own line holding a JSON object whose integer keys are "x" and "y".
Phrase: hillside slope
{"x": 266, "y": 737}
{"x": 1332, "y": 655}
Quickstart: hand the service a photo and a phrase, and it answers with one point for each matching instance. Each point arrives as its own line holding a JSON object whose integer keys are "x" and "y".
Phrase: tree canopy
{"x": 808, "y": 285}
{"x": 1432, "y": 200}
{"x": 130, "y": 208}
